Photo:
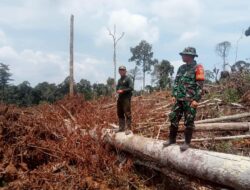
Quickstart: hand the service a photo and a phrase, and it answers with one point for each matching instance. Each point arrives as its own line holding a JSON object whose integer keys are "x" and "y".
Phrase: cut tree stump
{"x": 226, "y": 169}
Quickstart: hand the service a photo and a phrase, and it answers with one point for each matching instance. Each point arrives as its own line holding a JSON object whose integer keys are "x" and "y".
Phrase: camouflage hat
{"x": 122, "y": 67}
{"x": 189, "y": 51}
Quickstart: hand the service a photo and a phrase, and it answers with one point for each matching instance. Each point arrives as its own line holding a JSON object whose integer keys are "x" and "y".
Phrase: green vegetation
{"x": 231, "y": 95}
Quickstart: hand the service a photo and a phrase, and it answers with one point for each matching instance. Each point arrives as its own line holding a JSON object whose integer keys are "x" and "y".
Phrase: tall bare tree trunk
{"x": 114, "y": 60}
{"x": 71, "y": 67}
{"x": 115, "y": 41}
{"x": 143, "y": 76}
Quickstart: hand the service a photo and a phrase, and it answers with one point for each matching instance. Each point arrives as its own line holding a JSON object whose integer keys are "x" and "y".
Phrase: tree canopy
{"x": 163, "y": 73}
{"x": 142, "y": 55}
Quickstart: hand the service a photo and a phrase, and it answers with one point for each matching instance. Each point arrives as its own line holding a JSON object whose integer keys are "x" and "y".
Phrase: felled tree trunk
{"x": 225, "y": 118}
{"x": 225, "y": 169}
{"x": 233, "y": 126}
{"x": 219, "y": 138}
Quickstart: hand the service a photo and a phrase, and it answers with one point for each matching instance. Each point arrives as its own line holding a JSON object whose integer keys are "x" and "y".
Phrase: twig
{"x": 70, "y": 115}
{"x": 160, "y": 130}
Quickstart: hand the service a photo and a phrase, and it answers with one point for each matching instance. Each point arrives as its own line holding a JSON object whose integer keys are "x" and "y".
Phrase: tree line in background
{"x": 142, "y": 55}
{"x": 25, "y": 95}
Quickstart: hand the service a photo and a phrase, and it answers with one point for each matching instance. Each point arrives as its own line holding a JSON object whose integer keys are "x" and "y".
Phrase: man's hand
{"x": 173, "y": 100}
{"x": 119, "y": 91}
{"x": 194, "y": 104}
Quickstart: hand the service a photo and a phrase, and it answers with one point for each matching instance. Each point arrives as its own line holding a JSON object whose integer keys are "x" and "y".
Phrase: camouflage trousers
{"x": 179, "y": 109}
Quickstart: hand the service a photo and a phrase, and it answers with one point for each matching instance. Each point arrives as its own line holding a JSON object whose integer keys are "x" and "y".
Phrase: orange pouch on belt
{"x": 199, "y": 73}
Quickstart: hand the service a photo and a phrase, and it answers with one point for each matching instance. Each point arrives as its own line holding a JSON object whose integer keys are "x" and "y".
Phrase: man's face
{"x": 122, "y": 72}
{"x": 187, "y": 58}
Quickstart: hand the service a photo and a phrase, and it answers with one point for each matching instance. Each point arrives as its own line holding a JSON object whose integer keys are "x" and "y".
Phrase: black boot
{"x": 172, "y": 136}
{"x": 121, "y": 125}
{"x": 128, "y": 127}
{"x": 188, "y": 136}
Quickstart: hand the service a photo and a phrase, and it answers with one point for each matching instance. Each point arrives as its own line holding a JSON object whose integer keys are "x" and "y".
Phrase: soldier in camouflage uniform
{"x": 186, "y": 93}
{"x": 124, "y": 90}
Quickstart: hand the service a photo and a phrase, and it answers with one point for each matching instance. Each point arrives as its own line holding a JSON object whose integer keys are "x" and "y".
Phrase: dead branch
{"x": 69, "y": 114}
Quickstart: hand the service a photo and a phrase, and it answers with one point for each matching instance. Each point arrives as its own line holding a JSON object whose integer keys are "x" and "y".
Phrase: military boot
{"x": 188, "y": 136}
{"x": 128, "y": 128}
{"x": 121, "y": 125}
{"x": 172, "y": 136}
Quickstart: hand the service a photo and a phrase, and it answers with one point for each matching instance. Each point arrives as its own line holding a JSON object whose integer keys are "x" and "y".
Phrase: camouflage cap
{"x": 189, "y": 51}
{"x": 122, "y": 67}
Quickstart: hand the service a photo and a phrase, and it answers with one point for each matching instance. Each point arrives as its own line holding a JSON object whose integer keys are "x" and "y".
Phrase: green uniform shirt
{"x": 186, "y": 88}
{"x": 125, "y": 84}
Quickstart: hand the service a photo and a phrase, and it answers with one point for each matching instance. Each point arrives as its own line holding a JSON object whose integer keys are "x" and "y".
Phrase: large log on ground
{"x": 225, "y": 118}
{"x": 225, "y": 169}
{"x": 219, "y": 138}
{"x": 233, "y": 126}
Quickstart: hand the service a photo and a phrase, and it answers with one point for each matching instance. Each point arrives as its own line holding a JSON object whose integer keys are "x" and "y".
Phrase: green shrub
{"x": 231, "y": 95}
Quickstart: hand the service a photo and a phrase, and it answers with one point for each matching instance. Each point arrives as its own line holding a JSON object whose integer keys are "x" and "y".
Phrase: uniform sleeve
{"x": 176, "y": 82}
{"x": 117, "y": 85}
{"x": 198, "y": 92}
{"x": 130, "y": 86}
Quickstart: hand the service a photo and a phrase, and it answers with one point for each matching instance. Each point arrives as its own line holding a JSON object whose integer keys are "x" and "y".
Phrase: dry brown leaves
{"x": 37, "y": 150}
{"x": 47, "y": 147}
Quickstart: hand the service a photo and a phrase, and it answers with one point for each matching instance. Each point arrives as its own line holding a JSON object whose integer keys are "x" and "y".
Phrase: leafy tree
{"x": 85, "y": 88}
{"x": 135, "y": 74}
{"x": 4, "y": 79}
{"x": 143, "y": 56}
{"x": 24, "y": 94}
{"x": 209, "y": 76}
{"x": 12, "y": 92}
{"x": 216, "y": 72}
{"x": 163, "y": 73}
{"x": 222, "y": 49}
{"x": 240, "y": 66}
{"x": 62, "y": 89}
{"x": 247, "y": 32}
{"x": 149, "y": 88}
{"x": 45, "y": 92}
{"x": 110, "y": 85}
{"x": 100, "y": 89}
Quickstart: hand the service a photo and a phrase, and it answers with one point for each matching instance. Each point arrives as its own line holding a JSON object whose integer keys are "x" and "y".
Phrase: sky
{"x": 34, "y": 34}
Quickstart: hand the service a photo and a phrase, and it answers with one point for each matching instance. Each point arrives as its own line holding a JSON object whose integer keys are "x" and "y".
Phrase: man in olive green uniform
{"x": 186, "y": 93}
{"x": 124, "y": 90}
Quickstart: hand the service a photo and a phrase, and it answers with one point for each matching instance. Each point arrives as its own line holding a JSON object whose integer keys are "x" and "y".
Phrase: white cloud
{"x": 176, "y": 64}
{"x": 91, "y": 69}
{"x": 37, "y": 66}
{"x": 177, "y": 10}
{"x": 188, "y": 36}
{"x": 33, "y": 66}
{"x": 3, "y": 38}
{"x": 170, "y": 25}
{"x": 135, "y": 26}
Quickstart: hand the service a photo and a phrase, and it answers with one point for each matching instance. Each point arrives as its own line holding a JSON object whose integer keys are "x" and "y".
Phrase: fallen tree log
{"x": 219, "y": 138}
{"x": 225, "y": 118}
{"x": 225, "y": 169}
{"x": 233, "y": 126}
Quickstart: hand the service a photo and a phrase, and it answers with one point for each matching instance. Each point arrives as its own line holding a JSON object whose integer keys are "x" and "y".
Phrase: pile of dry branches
{"x": 48, "y": 146}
